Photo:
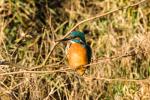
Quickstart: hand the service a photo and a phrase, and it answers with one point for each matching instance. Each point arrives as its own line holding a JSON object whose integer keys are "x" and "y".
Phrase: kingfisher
{"x": 78, "y": 52}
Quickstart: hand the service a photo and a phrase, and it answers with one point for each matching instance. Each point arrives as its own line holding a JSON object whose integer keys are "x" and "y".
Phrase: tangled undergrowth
{"x": 120, "y": 43}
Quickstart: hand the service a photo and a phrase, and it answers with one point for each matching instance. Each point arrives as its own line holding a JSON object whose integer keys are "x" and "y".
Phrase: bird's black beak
{"x": 65, "y": 39}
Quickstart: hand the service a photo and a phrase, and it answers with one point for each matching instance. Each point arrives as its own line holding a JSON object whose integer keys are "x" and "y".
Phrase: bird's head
{"x": 76, "y": 36}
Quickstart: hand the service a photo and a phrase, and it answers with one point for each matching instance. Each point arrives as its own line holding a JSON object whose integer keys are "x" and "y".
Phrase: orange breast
{"x": 77, "y": 55}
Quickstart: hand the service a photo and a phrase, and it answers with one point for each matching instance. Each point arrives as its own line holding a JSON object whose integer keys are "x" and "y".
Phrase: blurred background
{"x": 120, "y": 43}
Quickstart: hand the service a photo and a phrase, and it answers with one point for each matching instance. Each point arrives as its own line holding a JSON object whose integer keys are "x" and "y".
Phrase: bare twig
{"x": 118, "y": 79}
{"x": 35, "y": 72}
{"x": 87, "y": 78}
{"x": 100, "y": 15}
{"x": 86, "y": 20}
{"x": 98, "y": 61}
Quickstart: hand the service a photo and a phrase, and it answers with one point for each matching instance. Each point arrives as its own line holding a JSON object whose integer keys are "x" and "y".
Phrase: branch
{"x": 118, "y": 79}
{"x": 86, "y": 20}
{"x": 100, "y": 15}
{"x": 35, "y": 72}
{"x": 87, "y": 78}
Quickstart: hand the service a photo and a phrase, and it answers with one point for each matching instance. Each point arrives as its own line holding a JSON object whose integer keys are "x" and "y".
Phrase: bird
{"x": 78, "y": 52}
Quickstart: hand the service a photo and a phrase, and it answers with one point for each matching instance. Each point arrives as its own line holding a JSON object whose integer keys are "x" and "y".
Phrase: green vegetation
{"x": 120, "y": 42}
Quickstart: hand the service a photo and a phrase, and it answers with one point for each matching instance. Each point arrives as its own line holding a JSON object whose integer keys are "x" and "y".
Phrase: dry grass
{"x": 120, "y": 41}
